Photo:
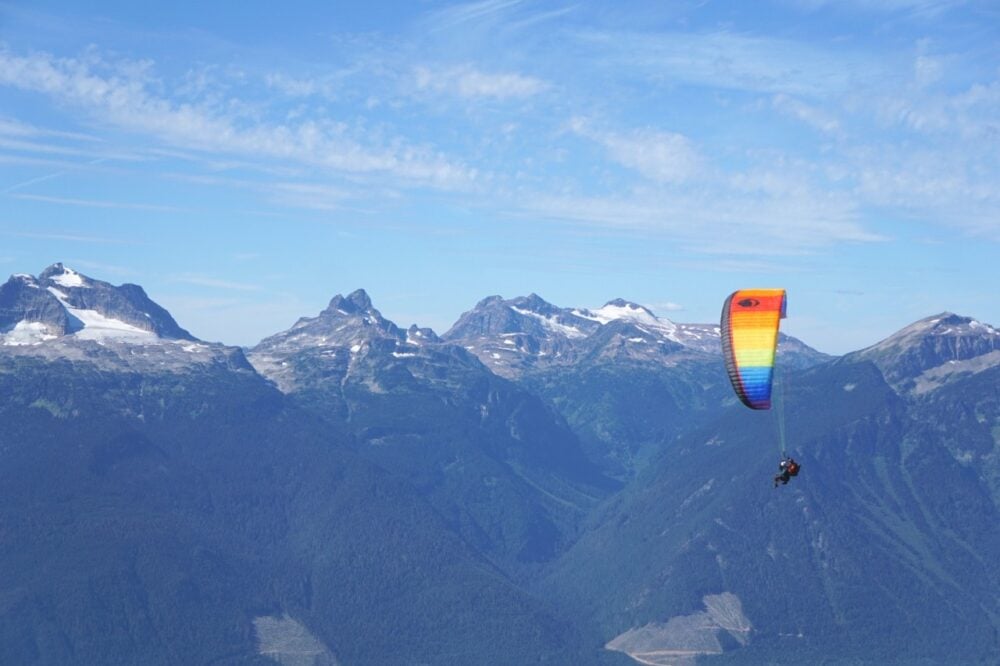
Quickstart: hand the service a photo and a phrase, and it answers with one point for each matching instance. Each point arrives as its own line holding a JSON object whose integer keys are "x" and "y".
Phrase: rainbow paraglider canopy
{"x": 750, "y": 320}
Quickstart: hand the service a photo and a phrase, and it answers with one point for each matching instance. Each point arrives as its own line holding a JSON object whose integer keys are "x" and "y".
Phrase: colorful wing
{"x": 749, "y": 339}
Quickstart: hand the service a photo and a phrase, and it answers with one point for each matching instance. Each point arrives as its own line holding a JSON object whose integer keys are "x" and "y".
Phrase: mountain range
{"x": 538, "y": 484}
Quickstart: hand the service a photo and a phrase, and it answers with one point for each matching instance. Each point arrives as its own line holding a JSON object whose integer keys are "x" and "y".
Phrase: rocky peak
{"x": 62, "y": 301}
{"x": 417, "y": 335}
{"x": 927, "y": 352}
{"x": 356, "y": 302}
{"x": 534, "y": 303}
{"x": 488, "y": 301}
{"x": 60, "y": 275}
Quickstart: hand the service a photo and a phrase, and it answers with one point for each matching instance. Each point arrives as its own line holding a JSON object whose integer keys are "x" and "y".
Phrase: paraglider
{"x": 787, "y": 468}
{"x": 749, "y": 340}
{"x": 750, "y": 320}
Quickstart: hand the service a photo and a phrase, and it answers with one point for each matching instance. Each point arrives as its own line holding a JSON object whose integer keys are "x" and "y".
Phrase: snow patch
{"x": 69, "y": 278}
{"x": 635, "y": 314}
{"x": 551, "y": 323}
{"x": 27, "y": 333}
{"x": 92, "y": 325}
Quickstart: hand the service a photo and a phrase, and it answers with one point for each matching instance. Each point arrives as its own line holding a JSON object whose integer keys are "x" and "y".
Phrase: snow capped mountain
{"x": 622, "y": 309}
{"x": 332, "y": 344}
{"x": 65, "y": 314}
{"x": 349, "y": 321}
{"x": 529, "y": 315}
{"x": 512, "y": 336}
{"x": 934, "y": 350}
{"x": 62, "y": 302}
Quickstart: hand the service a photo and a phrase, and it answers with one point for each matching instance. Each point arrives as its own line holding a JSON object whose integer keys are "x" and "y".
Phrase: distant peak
{"x": 943, "y": 321}
{"x": 946, "y": 318}
{"x": 489, "y": 300}
{"x": 53, "y": 269}
{"x": 355, "y": 302}
{"x": 534, "y": 303}
{"x": 359, "y": 297}
{"x": 64, "y": 276}
{"x": 418, "y": 334}
{"x": 620, "y": 309}
{"x": 622, "y": 303}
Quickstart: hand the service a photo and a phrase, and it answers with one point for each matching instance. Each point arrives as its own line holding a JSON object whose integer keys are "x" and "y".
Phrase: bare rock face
{"x": 927, "y": 353}
{"x": 682, "y": 639}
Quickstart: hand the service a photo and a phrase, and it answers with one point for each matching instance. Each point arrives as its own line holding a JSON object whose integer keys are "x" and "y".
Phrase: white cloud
{"x": 927, "y": 70}
{"x": 309, "y": 195}
{"x": 458, "y": 15}
{"x": 119, "y": 94}
{"x": 921, "y": 8}
{"x": 71, "y": 237}
{"x": 660, "y": 156}
{"x": 719, "y": 221}
{"x": 10, "y": 127}
{"x": 666, "y": 306}
{"x": 730, "y": 61}
{"x": 293, "y": 87}
{"x": 953, "y": 188}
{"x": 808, "y": 114}
{"x": 663, "y": 157}
{"x": 214, "y": 283}
{"x": 469, "y": 82}
{"x": 96, "y": 203}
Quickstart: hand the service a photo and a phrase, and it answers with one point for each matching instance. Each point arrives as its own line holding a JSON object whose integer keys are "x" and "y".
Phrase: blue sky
{"x": 246, "y": 165}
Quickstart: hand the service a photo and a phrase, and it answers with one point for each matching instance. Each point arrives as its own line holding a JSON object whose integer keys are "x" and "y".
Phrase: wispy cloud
{"x": 44, "y": 147}
{"x": 811, "y": 115}
{"x": 665, "y": 306}
{"x": 733, "y": 61}
{"x": 468, "y": 82}
{"x": 664, "y": 157}
{"x": 41, "y": 179}
{"x": 918, "y": 8}
{"x": 96, "y": 203}
{"x": 717, "y": 223}
{"x": 458, "y": 15}
{"x": 71, "y": 237}
{"x": 119, "y": 93}
{"x": 32, "y": 181}
{"x": 294, "y": 87}
{"x": 214, "y": 283}
{"x": 309, "y": 195}
{"x": 10, "y": 127}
